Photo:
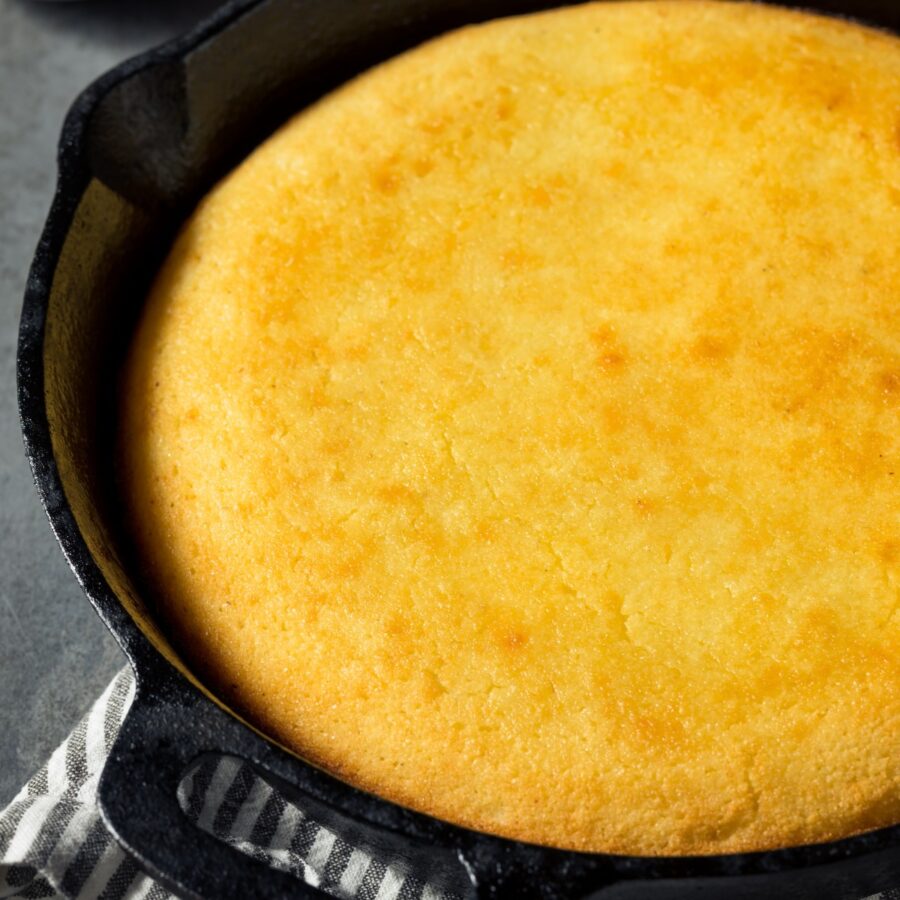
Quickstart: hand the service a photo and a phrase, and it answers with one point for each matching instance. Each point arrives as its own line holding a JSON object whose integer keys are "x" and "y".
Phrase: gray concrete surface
{"x": 55, "y": 656}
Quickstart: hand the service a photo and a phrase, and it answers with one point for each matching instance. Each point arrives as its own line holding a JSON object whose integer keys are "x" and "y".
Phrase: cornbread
{"x": 515, "y": 433}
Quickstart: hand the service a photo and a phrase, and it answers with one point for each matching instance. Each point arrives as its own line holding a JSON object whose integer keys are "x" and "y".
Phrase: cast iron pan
{"x": 138, "y": 148}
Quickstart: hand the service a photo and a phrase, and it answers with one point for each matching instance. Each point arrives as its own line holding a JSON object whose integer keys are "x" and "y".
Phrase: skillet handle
{"x": 164, "y": 731}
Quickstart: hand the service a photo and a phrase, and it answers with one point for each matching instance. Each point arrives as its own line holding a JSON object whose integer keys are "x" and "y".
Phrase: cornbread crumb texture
{"x": 515, "y": 433}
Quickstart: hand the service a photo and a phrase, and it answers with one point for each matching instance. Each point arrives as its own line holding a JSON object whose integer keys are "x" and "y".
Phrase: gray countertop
{"x": 55, "y": 655}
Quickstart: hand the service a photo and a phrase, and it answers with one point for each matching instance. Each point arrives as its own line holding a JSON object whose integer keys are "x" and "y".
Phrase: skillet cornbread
{"x": 515, "y": 433}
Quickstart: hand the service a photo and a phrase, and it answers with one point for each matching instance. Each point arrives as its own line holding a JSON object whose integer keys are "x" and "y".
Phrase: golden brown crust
{"x": 516, "y": 431}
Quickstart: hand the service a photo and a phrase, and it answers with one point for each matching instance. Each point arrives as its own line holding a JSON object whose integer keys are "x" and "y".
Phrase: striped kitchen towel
{"x": 53, "y": 843}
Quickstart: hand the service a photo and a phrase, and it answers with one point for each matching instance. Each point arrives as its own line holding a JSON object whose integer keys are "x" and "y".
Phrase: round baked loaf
{"x": 515, "y": 433}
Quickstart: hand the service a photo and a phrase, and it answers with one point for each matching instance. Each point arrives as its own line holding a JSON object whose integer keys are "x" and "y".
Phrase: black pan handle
{"x": 170, "y": 725}
{"x": 167, "y": 728}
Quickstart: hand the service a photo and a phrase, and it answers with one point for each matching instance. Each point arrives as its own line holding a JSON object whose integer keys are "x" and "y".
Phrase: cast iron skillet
{"x": 138, "y": 148}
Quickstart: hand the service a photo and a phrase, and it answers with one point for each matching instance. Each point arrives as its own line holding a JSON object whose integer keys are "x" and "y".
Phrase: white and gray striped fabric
{"x": 53, "y": 843}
